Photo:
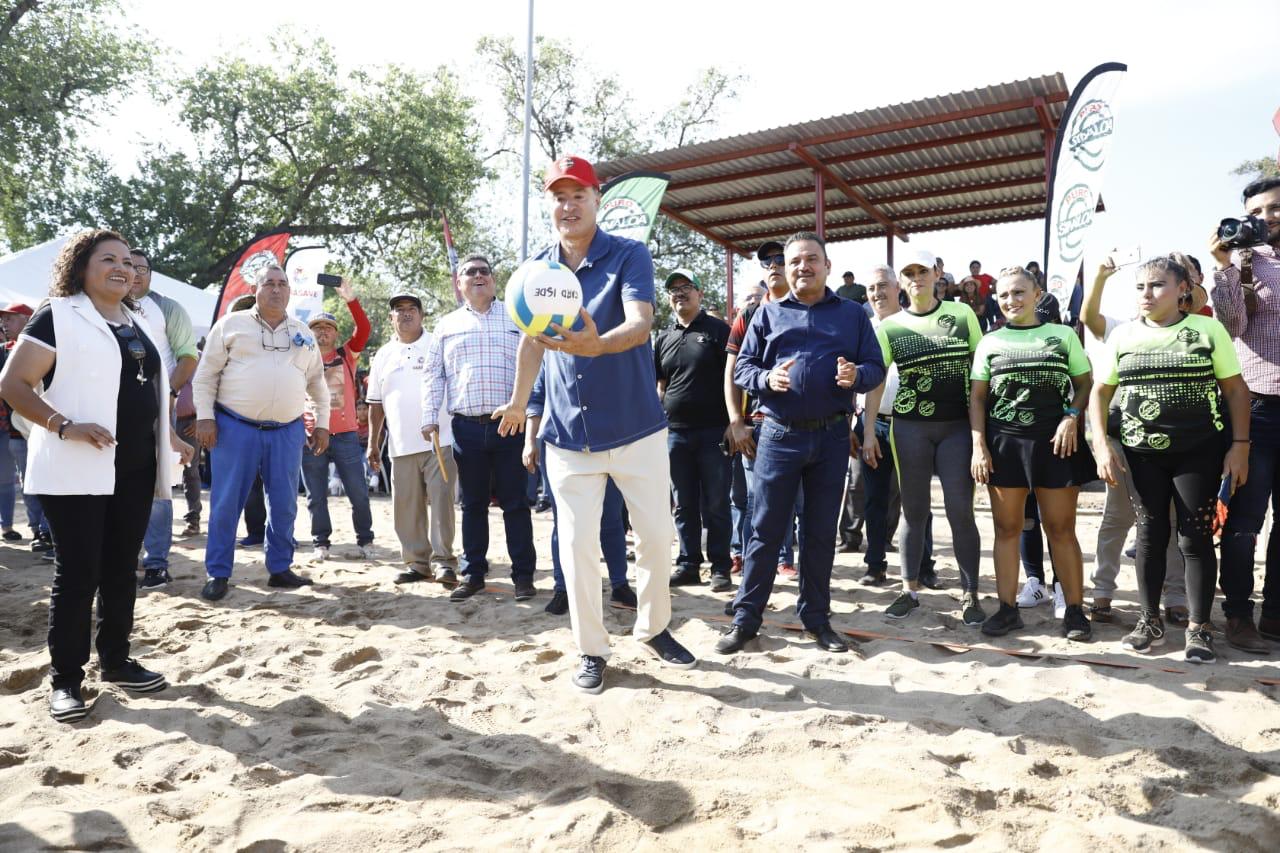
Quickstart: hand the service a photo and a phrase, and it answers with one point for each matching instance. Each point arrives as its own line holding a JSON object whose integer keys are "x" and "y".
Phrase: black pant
{"x": 255, "y": 511}
{"x": 96, "y": 540}
{"x": 1191, "y": 479}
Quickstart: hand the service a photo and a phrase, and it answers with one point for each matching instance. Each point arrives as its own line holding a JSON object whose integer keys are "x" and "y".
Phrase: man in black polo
{"x": 851, "y": 290}
{"x": 690, "y": 359}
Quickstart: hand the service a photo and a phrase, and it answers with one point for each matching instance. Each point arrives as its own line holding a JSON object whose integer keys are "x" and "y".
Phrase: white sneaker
{"x": 1033, "y": 593}
{"x": 1059, "y": 603}
{"x": 366, "y": 552}
{"x": 320, "y": 554}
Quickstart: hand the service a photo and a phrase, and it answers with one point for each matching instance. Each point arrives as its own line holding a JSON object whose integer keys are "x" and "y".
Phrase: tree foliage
{"x": 1266, "y": 167}
{"x": 63, "y": 66}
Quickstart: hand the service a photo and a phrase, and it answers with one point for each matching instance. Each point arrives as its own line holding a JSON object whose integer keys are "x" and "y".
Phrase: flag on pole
{"x": 1079, "y": 164}
{"x": 263, "y": 250}
{"x": 629, "y": 204}
{"x": 453, "y": 258}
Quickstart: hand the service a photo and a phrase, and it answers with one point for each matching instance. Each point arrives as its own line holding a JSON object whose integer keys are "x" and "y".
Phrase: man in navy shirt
{"x": 805, "y": 356}
{"x": 602, "y": 419}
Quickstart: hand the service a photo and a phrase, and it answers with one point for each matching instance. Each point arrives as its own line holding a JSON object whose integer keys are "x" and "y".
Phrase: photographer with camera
{"x": 1246, "y": 297}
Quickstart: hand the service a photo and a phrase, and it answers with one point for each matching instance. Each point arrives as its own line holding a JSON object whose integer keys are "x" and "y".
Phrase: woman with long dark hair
{"x": 100, "y": 451}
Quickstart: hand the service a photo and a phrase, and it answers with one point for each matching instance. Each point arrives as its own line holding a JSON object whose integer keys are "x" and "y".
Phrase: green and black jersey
{"x": 932, "y": 352}
{"x": 1167, "y": 397}
{"x": 1029, "y": 369}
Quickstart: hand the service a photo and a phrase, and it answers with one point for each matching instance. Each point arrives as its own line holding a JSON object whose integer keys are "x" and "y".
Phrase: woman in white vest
{"x": 97, "y": 456}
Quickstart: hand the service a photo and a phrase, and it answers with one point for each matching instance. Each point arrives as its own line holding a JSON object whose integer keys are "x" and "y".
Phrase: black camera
{"x": 1242, "y": 233}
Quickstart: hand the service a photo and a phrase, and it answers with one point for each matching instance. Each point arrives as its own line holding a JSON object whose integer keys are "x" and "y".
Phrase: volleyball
{"x": 541, "y": 292}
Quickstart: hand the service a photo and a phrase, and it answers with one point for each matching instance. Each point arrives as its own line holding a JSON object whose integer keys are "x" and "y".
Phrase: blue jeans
{"x": 786, "y": 552}
{"x": 243, "y": 453}
{"x": 737, "y": 504}
{"x": 1244, "y": 520}
{"x": 785, "y": 460}
{"x": 613, "y": 538}
{"x": 345, "y": 453}
{"x": 35, "y": 513}
{"x": 700, "y": 481}
{"x": 158, "y": 539}
{"x": 485, "y": 458}
{"x": 8, "y": 482}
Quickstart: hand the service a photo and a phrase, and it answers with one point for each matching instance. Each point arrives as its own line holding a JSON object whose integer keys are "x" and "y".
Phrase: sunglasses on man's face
{"x": 472, "y": 272}
{"x": 769, "y": 260}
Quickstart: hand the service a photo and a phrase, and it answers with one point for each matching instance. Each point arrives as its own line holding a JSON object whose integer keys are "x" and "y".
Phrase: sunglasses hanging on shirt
{"x": 136, "y": 349}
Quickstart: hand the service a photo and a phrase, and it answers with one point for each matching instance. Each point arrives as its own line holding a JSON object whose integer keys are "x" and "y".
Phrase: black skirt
{"x": 1028, "y": 462}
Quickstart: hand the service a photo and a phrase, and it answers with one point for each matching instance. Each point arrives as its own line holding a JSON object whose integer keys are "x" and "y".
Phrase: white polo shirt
{"x": 395, "y": 381}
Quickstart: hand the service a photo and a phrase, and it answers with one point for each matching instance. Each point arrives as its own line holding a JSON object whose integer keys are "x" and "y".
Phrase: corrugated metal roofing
{"x": 953, "y": 161}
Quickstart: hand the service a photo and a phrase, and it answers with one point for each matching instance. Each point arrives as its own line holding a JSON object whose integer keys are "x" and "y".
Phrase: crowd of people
{"x": 816, "y": 421}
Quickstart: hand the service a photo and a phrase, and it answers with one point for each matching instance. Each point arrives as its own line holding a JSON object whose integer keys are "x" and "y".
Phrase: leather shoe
{"x": 288, "y": 580}
{"x": 1269, "y": 628}
{"x": 214, "y": 590}
{"x": 686, "y": 576}
{"x": 524, "y": 590}
{"x": 66, "y": 705}
{"x": 447, "y": 578}
{"x": 1242, "y": 635}
{"x": 720, "y": 583}
{"x": 465, "y": 590}
{"x": 410, "y": 576}
{"x": 827, "y": 639}
{"x": 734, "y": 639}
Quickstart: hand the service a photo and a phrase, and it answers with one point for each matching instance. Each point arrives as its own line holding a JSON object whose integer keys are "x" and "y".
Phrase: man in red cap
{"x": 13, "y": 445}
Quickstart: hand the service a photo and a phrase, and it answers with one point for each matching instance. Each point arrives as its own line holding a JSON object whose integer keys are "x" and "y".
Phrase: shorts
{"x": 1028, "y": 462}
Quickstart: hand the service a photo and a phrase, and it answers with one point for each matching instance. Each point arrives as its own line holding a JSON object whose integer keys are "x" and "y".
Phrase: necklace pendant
{"x": 142, "y": 380}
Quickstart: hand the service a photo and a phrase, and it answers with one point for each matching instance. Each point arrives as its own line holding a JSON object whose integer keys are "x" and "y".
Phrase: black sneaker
{"x": 1199, "y": 646}
{"x": 11, "y": 535}
{"x": 590, "y": 675}
{"x": 288, "y": 580}
{"x": 132, "y": 676}
{"x": 214, "y": 589}
{"x": 153, "y": 578}
{"x": 624, "y": 596}
{"x": 671, "y": 652}
{"x": 41, "y": 543}
{"x": 1075, "y": 625}
{"x": 902, "y": 606}
{"x": 720, "y": 583}
{"x": 558, "y": 605}
{"x": 1146, "y": 635}
{"x": 465, "y": 590}
{"x": 525, "y": 590}
{"x": 686, "y": 576}
{"x": 66, "y": 705}
{"x": 874, "y": 576}
{"x": 1004, "y": 620}
{"x": 973, "y": 615}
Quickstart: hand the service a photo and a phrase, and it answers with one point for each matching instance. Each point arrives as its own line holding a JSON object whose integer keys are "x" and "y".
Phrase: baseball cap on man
{"x": 573, "y": 168}
{"x": 17, "y": 308}
{"x": 768, "y": 250}
{"x": 918, "y": 257}
{"x": 685, "y": 274}
{"x": 403, "y": 295}
{"x": 323, "y": 317}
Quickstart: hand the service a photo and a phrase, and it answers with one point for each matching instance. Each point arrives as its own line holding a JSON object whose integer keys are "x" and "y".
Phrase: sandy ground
{"x": 365, "y": 716}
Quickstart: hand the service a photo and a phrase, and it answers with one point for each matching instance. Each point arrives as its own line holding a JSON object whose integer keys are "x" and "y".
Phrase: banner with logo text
{"x": 267, "y": 249}
{"x": 629, "y": 205}
{"x": 1079, "y": 165}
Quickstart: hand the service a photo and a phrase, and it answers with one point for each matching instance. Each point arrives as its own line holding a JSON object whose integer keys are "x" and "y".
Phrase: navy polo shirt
{"x": 815, "y": 335}
{"x": 605, "y": 402}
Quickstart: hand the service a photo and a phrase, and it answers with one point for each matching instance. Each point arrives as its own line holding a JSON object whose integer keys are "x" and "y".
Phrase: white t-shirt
{"x": 395, "y": 381}
{"x": 890, "y": 381}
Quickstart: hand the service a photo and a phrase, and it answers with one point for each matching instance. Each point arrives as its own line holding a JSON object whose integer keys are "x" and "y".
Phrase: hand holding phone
{"x": 325, "y": 279}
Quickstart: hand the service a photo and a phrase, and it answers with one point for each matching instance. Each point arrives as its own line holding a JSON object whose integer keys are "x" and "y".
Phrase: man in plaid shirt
{"x": 1246, "y": 299}
{"x": 473, "y": 356}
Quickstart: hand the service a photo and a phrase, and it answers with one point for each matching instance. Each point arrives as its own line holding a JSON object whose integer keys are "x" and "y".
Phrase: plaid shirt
{"x": 1257, "y": 338}
{"x": 473, "y": 356}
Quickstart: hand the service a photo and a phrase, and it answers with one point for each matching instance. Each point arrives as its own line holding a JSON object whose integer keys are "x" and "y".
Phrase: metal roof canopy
{"x": 973, "y": 158}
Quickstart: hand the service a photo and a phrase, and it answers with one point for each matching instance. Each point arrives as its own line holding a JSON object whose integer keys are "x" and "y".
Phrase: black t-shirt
{"x": 691, "y": 360}
{"x": 137, "y": 404}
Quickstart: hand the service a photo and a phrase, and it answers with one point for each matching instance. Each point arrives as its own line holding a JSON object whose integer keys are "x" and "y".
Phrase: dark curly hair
{"x": 73, "y": 260}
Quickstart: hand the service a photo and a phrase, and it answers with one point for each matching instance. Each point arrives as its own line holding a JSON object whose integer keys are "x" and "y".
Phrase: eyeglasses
{"x": 681, "y": 288}
{"x": 135, "y": 347}
{"x": 270, "y": 346}
{"x": 141, "y": 270}
{"x": 770, "y": 260}
{"x": 472, "y": 272}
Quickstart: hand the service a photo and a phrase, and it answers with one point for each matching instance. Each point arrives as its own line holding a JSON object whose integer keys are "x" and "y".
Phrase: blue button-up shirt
{"x": 815, "y": 336}
{"x": 604, "y": 402}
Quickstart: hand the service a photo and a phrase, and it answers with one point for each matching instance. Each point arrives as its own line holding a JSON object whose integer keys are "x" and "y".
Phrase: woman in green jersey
{"x": 1030, "y": 381}
{"x": 932, "y": 343}
{"x": 1175, "y": 377}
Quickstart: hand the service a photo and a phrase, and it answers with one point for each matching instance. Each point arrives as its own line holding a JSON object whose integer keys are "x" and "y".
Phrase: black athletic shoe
{"x": 874, "y": 577}
{"x": 1004, "y": 620}
{"x": 66, "y": 705}
{"x": 559, "y": 603}
{"x": 215, "y": 589}
{"x": 465, "y": 590}
{"x": 12, "y": 535}
{"x": 590, "y": 675}
{"x": 132, "y": 676}
{"x": 623, "y": 596}
{"x": 671, "y": 652}
{"x": 1146, "y": 635}
{"x": 1199, "y": 646}
{"x": 41, "y": 543}
{"x": 251, "y": 540}
{"x": 686, "y": 576}
{"x": 153, "y": 578}
{"x": 1075, "y": 625}
{"x": 525, "y": 590}
{"x": 929, "y": 579}
{"x": 288, "y": 580}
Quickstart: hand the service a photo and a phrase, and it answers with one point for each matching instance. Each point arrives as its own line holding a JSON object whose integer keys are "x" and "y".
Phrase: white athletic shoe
{"x": 320, "y": 554}
{"x": 1033, "y": 593}
{"x": 366, "y": 552}
{"x": 1059, "y": 603}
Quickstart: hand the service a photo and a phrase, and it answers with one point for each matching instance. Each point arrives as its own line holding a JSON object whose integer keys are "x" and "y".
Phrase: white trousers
{"x": 642, "y": 472}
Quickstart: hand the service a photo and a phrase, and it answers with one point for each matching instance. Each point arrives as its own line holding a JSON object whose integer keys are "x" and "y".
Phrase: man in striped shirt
{"x": 473, "y": 356}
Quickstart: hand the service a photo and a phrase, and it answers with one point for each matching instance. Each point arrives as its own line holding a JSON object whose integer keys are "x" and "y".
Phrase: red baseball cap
{"x": 573, "y": 168}
{"x": 17, "y": 308}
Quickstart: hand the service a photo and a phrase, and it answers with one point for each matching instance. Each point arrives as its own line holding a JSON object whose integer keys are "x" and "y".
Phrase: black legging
{"x": 96, "y": 540}
{"x": 1191, "y": 480}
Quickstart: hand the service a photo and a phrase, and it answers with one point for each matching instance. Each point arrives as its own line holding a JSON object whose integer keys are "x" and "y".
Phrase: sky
{"x": 1197, "y": 101}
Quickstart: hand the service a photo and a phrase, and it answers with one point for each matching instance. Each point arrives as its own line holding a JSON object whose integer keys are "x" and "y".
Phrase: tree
{"x": 366, "y": 162}
{"x": 61, "y": 67}
{"x": 1266, "y": 167}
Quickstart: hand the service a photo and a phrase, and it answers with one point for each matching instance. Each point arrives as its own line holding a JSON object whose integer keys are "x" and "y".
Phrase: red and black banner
{"x": 267, "y": 249}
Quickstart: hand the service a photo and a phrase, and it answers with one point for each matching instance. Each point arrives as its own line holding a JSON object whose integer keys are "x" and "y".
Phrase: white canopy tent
{"x": 24, "y": 277}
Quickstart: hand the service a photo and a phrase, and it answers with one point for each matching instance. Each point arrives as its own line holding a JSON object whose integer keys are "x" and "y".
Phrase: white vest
{"x": 85, "y": 388}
